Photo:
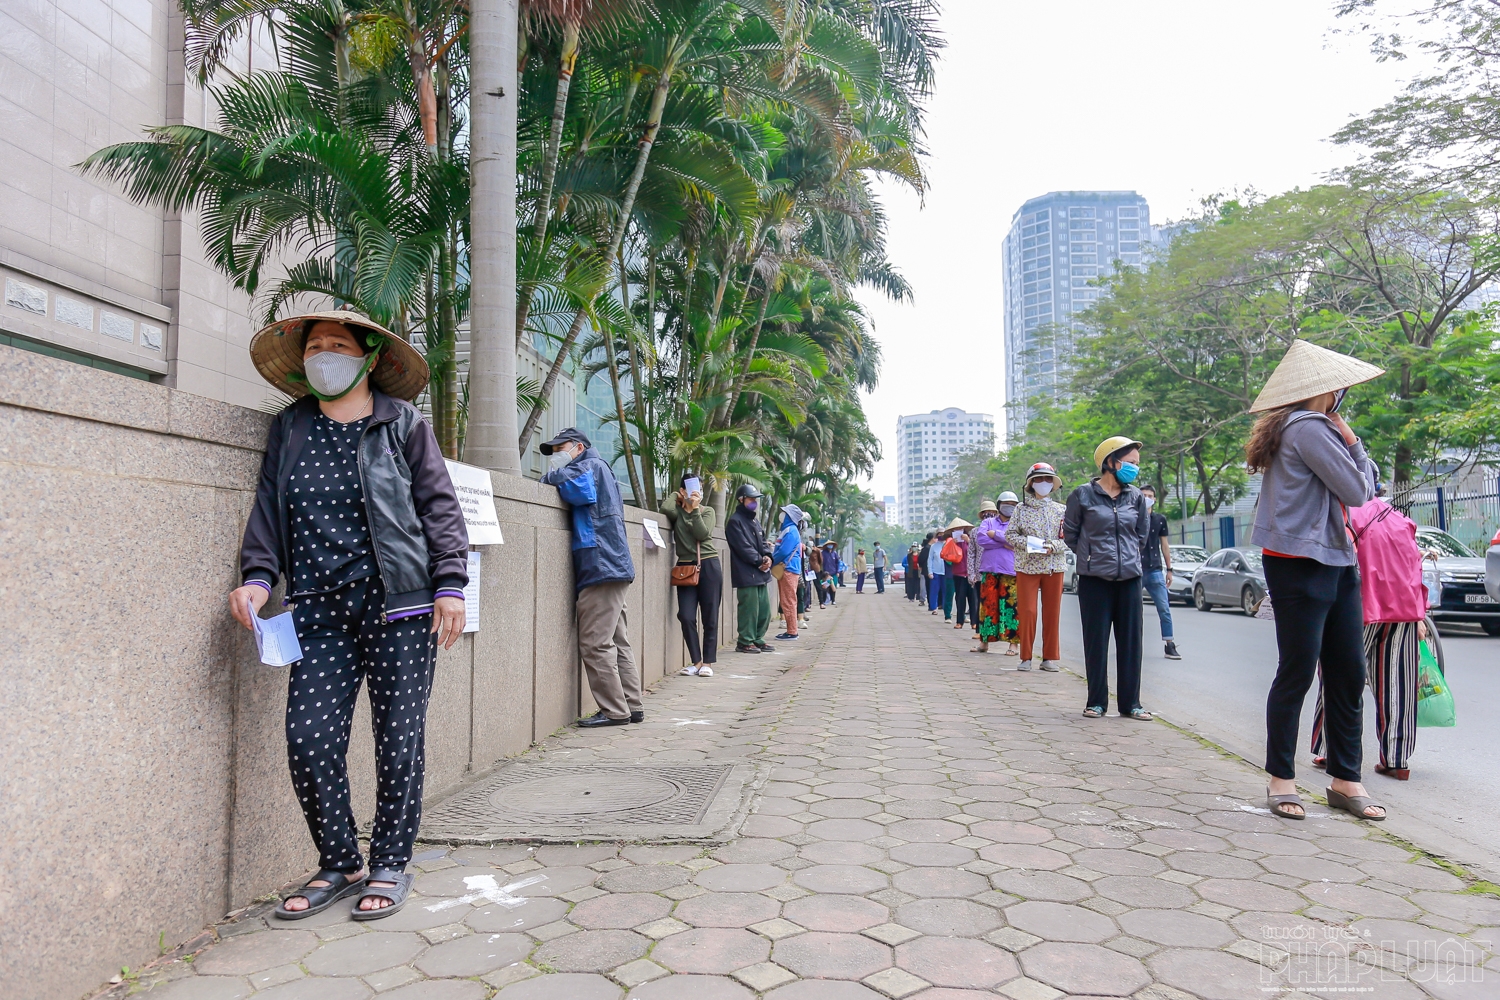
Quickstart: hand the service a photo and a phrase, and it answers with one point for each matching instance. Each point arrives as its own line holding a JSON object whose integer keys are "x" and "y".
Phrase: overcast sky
{"x": 1174, "y": 99}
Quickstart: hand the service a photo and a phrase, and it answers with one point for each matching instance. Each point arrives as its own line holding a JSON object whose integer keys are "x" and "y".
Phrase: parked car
{"x": 1233, "y": 577}
{"x": 1186, "y": 560}
{"x": 1457, "y": 577}
{"x": 1070, "y": 572}
{"x": 1492, "y": 568}
{"x": 897, "y": 574}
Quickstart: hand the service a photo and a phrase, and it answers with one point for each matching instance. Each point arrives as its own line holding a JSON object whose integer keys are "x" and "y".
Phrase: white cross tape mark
{"x": 692, "y": 722}
{"x": 484, "y": 887}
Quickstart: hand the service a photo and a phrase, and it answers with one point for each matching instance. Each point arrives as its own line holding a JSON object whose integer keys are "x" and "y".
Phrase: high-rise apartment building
{"x": 1058, "y": 247}
{"x": 927, "y": 448}
{"x": 888, "y": 510}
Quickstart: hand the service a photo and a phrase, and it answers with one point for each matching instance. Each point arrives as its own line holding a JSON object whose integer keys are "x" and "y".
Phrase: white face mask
{"x": 1150, "y": 502}
{"x": 1042, "y": 489}
{"x": 561, "y": 457}
{"x": 333, "y": 374}
{"x": 1006, "y": 510}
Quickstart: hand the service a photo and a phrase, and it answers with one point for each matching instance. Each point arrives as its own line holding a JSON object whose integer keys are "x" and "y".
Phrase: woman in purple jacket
{"x": 997, "y": 577}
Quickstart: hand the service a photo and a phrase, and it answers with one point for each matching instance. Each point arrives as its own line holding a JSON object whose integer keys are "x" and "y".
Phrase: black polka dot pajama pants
{"x": 344, "y": 643}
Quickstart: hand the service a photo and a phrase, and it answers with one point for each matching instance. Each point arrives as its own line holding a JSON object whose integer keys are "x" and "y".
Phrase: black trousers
{"x": 344, "y": 643}
{"x": 1102, "y": 605}
{"x": 963, "y": 593}
{"x": 702, "y": 600}
{"x": 913, "y": 586}
{"x": 1319, "y": 617}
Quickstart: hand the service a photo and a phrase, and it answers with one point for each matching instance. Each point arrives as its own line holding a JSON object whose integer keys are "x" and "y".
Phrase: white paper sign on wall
{"x": 477, "y": 498}
{"x": 471, "y": 595}
{"x": 653, "y": 534}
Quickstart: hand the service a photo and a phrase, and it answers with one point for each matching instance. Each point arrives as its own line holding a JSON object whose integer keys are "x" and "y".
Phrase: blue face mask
{"x": 1127, "y": 472}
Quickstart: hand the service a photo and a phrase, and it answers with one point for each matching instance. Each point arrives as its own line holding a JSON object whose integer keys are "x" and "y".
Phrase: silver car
{"x": 1455, "y": 576}
{"x": 1186, "y": 560}
{"x": 1233, "y": 577}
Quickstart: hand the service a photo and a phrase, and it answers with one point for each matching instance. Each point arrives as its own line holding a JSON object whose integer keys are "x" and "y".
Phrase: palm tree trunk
{"x": 614, "y": 381}
{"x": 739, "y": 386}
{"x": 648, "y": 463}
{"x": 491, "y": 437}
{"x": 566, "y": 64}
{"x": 448, "y": 324}
{"x": 627, "y": 206}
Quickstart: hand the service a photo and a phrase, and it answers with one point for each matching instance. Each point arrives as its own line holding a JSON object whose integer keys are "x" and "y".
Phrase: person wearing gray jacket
{"x": 1107, "y": 524}
{"x": 1314, "y": 467}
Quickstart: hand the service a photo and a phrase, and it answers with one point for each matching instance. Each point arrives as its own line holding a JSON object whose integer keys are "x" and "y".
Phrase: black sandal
{"x": 319, "y": 897}
{"x": 396, "y": 894}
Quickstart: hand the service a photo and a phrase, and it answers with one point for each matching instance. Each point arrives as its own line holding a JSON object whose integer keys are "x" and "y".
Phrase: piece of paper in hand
{"x": 653, "y": 534}
{"x": 276, "y": 638}
{"x": 471, "y": 595}
{"x": 1035, "y": 544}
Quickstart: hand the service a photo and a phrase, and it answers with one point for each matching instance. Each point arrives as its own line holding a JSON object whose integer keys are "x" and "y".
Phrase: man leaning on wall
{"x": 602, "y": 574}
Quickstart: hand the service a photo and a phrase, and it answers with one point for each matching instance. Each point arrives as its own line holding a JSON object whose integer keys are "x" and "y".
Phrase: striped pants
{"x": 1391, "y": 668}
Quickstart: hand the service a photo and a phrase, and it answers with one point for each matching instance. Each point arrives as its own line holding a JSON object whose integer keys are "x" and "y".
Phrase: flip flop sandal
{"x": 397, "y": 893}
{"x": 1141, "y": 715}
{"x": 979, "y": 650}
{"x": 319, "y": 897}
{"x": 1355, "y": 805}
{"x": 1321, "y": 763}
{"x": 1279, "y": 805}
{"x": 1093, "y": 713}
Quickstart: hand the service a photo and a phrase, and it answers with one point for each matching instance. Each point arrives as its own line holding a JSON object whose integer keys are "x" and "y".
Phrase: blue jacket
{"x": 832, "y": 564}
{"x": 789, "y": 547}
{"x": 601, "y": 547}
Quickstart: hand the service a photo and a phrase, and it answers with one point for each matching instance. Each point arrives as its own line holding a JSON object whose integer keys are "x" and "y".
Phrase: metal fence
{"x": 1471, "y": 517}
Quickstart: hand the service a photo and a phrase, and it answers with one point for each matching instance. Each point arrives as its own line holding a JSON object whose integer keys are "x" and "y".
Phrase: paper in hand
{"x": 276, "y": 638}
{"x": 1035, "y": 544}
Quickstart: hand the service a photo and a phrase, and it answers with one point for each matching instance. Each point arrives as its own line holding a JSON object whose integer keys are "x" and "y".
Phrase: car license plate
{"x": 1477, "y": 599}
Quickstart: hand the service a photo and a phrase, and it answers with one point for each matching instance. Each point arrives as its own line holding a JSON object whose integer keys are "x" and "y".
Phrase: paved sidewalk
{"x": 937, "y": 826}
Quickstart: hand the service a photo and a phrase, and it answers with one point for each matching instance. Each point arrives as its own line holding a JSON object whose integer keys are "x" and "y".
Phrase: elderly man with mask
{"x": 602, "y": 574}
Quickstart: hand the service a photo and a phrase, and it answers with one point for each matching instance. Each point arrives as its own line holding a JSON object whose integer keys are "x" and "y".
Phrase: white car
{"x": 1186, "y": 559}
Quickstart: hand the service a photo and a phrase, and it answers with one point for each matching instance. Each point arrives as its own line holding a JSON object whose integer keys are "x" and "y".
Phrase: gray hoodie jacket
{"x": 1107, "y": 533}
{"x": 1302, "y": 497}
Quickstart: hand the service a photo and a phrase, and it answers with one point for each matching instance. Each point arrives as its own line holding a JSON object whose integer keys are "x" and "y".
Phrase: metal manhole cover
{"x": 526, "y": 801}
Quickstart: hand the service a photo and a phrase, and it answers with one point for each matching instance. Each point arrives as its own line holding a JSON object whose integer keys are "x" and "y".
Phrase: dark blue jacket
{"x": 601, "y": 547}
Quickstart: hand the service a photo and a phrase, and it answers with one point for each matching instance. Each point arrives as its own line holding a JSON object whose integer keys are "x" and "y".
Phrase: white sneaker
{"x": 1051, "y": 665}
{"x": 1024, "y": 665}
{"x": 705, "y": 671}
{"x": 689, "y": 671}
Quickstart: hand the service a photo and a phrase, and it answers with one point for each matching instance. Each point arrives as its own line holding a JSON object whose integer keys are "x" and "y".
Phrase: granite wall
{"x": 143, "y": 785}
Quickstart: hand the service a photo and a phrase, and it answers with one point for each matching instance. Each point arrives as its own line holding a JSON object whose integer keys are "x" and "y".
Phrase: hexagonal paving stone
{"x": 822, "y": 955}
{"x": 568, "y": 986}
{"x": 1243, "y": 894}
{"x": 1214, "y": 865}
{"x": 711, "y": 951}
{"x": 440, "y": 989}
{"x": 561, "y": 855}
{"x": 845, "y": 829}
{"x": 841, "y": 852}
{"x": 317, "y": 989}
{"x": 726, "y": 909}
{"x": 1141, "y": 890}
{"x": 620, "y": 911}
{"x": 1006, "y": 832}
{"x": 475, "y": 954}
{"x": 1115, "y": 862}
{"x": 644, "y": 878}
{"x": 1084, "y": 969}
{"x": 247, "y": 953}
{"x": 494, "y": 918}
{"x": 956, "y": 962}
{"x": 1213, "y": 975}
{"x": 658, "y": 854}
{"x": 939, "y": 883}
{"x": 1185, "y": 840}
{"x": 948, "y": 917}
{"x": 753, "y": 851}
{"x": 692, "y": 988}
{"x": 1177, "y": 928}
{"x": 932, "y": 855}
{"x": 1469, "y": 909}
{"x": 364, "y": 953}
{"x": 1060, "y": 922}
{"x": 592, "y": 951}
{"x": 853, "y": 879}
{"x": 203, "y": 988}
{"x": 1025, "y": 856}
{"x": 813, "y": 989}
{"x": 1042, "y": 885}
{"x": 848, "y": 914}
{"x": 927, "y": 831}
{"x": 1359, "y": 899}
{"x": 1313, "y": 869}
{"x": 740, "y": 878}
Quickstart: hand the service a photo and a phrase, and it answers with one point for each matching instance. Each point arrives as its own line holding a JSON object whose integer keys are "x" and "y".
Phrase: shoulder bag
{"x": 687, "y": 575}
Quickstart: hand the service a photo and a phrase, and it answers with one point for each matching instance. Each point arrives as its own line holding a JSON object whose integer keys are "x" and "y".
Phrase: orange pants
{"x": 1050, "y": 586}
{"x": 786, "y": 588}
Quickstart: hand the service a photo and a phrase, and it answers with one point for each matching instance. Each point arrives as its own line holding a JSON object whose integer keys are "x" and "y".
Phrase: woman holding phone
{"x": 693, "y": 540}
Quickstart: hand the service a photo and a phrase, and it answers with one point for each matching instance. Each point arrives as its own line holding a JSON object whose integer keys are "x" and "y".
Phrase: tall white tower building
{"x": 927, "y": 447}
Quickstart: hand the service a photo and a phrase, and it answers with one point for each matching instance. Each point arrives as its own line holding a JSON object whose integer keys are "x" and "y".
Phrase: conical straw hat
{"x": 1307, "y": 371}
{"x": 957, "y": 523}
{"x": 277, "y": 352}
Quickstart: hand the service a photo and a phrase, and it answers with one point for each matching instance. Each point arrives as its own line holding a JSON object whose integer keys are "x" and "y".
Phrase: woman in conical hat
{"x": 1314, "y": 467}
{"x": 356, "y": 515}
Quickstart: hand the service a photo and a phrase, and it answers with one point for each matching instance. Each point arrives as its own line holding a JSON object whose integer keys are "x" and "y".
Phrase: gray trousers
{"x": 604, "y": 646}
